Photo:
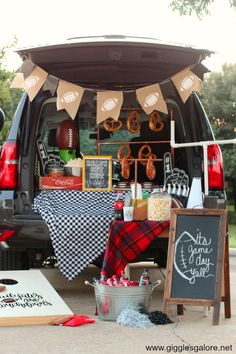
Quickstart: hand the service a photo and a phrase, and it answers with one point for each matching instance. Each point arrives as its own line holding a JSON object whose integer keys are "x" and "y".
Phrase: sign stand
{"x": 226, "y": 296}
{"x": 195, "y": 260}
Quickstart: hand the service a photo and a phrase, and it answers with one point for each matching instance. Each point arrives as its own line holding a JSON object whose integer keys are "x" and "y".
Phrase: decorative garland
{"x": 32, "y": 78}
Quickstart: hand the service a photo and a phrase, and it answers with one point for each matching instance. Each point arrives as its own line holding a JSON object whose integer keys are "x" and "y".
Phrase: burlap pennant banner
{"x": 32, "y": 78}
{"x": 18, "y": 81}
{"x": 199, "y": 70}
{"x": 109, "y": 105}
{"x": 151, "y": 98}
{"x": 69, "y": 97}
{"x": 186, "y": 82}
{"x": 35, "y": 81}
{"x": 26, "y": 68}
{"x": 51, "y": 84}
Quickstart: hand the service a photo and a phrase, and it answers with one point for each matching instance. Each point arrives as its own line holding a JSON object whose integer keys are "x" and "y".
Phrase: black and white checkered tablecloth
{"x": 78, "y": 223}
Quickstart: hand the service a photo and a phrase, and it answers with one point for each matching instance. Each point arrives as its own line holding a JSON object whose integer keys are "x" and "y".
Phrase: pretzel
{"x": 155, "y": 122}
{"x": 133, "y": 124}
{"x": 124, "y": 151}
{"x": 125, "y": 169}
{"x": 111, "y": 125}
{"x": 150, "y": 168}
{"x": 142, "y": 155}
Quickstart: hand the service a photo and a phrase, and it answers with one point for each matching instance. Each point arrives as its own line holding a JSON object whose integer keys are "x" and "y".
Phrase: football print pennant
{"x": 109, "y": 105}
{"x": 151, "y": 99}
{"x": 186, "y": 82}
{"x": 69, "y": 97}
{"x": 18, "y": 81}
{"x": 34, "y": 82}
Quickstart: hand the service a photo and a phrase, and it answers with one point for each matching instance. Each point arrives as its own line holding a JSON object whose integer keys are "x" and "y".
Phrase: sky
{"x": 50, "y": 21}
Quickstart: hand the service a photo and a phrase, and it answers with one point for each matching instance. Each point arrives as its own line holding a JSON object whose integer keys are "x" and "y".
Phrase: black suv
{"x": 108, "y": 63}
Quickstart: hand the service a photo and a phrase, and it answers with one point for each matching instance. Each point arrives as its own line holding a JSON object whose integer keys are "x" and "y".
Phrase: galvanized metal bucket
{"x": 111, "y": 300}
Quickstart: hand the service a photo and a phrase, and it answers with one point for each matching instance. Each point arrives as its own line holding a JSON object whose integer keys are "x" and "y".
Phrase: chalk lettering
{"x": 192, "y": 258}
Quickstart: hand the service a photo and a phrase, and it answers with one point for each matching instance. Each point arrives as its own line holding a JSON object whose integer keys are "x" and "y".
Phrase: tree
{"x": 199, "y": 7}
{"x": 218, "y": 95}
{"x": 9, "y": 98}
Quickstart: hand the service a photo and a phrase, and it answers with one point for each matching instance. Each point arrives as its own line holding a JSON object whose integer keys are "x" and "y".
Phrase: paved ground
{"x": 108, "y": 337}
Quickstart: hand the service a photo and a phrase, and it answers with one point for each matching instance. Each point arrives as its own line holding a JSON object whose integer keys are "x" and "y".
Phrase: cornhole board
{"x": 29, "y": 299}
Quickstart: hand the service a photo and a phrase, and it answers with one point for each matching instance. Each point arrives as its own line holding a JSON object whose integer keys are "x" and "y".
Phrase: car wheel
{"x": 12, "y": 260}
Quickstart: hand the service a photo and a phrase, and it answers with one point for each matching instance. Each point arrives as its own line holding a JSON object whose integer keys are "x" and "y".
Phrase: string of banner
{"x": 32, "y": 78}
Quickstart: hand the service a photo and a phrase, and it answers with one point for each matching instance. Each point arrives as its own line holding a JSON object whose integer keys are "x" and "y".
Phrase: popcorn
{"x": 159, "y": 209}
{"x": 74, "y": 163}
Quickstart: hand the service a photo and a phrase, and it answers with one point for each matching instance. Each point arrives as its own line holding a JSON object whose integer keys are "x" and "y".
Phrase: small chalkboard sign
{"x": 195, "y": 256}
{"x": 97, "y": 173}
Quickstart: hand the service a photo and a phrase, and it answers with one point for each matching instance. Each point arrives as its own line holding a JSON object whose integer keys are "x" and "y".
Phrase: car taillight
{"x": 8, "y": 166}
{"x": 215, "y": 168}
{"x": 5, "y": 234}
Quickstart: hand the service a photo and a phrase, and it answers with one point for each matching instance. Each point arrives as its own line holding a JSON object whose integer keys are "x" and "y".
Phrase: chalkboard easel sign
{"x": 195, "y": 259}
{"x": 97, "y": 173}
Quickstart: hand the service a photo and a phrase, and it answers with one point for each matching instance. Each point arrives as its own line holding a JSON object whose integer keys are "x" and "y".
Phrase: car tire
{"x": 12, "y": 260}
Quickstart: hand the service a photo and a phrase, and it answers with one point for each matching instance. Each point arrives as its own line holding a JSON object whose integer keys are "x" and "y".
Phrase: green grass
{"x": 232, "y": 236}
{"x": 232, "y": 226}
{"x": 230, "y": 207}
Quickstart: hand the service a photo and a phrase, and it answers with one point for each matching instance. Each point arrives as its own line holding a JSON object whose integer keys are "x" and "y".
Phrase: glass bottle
{"x": 144, "y": 279}
{"x": 103, "y": 278}
{"x": 118, "y": 206}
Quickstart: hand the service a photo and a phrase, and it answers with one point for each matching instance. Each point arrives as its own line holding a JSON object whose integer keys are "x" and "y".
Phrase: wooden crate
{"x": 63, "y": 182}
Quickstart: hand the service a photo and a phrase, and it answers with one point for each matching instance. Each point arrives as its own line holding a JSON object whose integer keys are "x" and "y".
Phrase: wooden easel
{"x": 225, "y": 293}
{"x": 222, "y": 268}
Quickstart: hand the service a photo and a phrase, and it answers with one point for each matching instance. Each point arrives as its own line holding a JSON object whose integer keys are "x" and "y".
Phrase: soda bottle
{"x": 95, "y": 281}
{"x": 134, "y": 283}
{"x": 123, "y": 276}
{"x": 110, "y": 282}
{"x": 124, "y": 279}
{"x": 144, "y": 279}
{"x": 118, "y": 206}
{"x": 103, "y": 278}
{"x": 115, "y": 280}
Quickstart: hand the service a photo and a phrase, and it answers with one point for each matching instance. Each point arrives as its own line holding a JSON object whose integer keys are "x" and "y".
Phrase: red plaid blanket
{"x": 127, "y": 239}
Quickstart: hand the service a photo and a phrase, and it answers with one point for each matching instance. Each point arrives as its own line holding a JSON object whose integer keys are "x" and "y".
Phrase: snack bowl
{"x": 55, "y": 171}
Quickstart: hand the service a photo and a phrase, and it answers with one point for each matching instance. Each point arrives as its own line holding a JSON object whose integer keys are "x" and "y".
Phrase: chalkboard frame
{"x": 109, "y": 182}
{"x": 215, "y": 301}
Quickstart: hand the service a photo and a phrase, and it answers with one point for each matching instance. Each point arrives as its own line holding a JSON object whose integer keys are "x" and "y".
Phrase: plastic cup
{"x": 128, "y": 213}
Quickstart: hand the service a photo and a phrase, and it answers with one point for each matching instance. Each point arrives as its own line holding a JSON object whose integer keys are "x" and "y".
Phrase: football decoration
{"x": 187, "y": 83}
{"x": 67, "y": 135}
{"x": 151, "y": 99}
{"x": 109, "y": 104}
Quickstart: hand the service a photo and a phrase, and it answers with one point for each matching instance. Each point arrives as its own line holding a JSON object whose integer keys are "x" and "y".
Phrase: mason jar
{"x": 159, "y": 206}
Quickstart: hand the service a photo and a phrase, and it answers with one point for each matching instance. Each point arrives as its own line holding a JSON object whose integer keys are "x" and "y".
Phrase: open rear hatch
{"x": 114, "y": 61}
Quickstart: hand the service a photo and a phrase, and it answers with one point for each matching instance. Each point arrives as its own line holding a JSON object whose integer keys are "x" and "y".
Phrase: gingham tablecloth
{"x": 78, "y": 223}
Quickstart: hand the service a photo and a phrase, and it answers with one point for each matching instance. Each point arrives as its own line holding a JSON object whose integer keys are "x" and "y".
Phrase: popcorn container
{"x": 159, "y": 206}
